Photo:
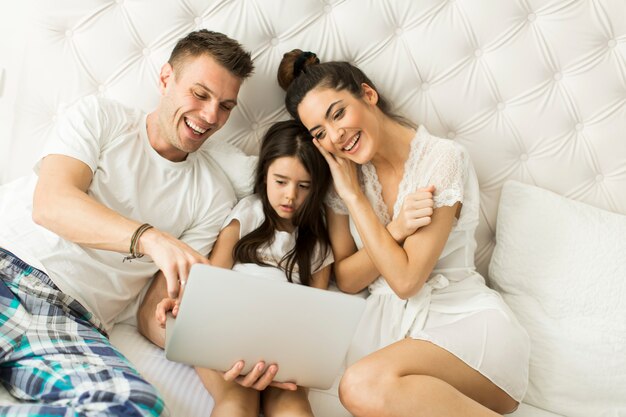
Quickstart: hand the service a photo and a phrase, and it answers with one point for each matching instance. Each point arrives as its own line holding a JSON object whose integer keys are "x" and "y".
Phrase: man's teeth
{"x": 352, "y": 142}
{"x": 197, "y": 129}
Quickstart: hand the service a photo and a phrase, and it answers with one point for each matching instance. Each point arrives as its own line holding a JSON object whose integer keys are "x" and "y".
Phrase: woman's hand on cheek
{"x": 344, "y": 172}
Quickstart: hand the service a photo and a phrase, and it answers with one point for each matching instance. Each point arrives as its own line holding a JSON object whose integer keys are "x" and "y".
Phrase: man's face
{"x": 197, "y": 98}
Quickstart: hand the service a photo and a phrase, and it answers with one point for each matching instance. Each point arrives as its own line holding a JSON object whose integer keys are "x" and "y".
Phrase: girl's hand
{"x": 259, "y": 378}
{"x": 415, "y": 213}
{"x": 166, "y": 305}
{"x": 345, "y": 178}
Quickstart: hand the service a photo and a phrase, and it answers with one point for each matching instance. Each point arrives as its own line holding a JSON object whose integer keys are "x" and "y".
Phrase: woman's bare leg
{"x": 417, "y": 378}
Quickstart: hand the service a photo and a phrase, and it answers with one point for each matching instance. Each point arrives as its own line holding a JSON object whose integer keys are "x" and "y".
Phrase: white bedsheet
{"x": 186, "y": 397}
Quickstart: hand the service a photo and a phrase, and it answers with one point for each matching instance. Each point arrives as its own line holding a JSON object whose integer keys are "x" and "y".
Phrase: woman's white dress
{"x": 455, "y": 309}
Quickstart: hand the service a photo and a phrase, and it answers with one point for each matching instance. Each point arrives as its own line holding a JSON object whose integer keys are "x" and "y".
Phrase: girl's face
{"x": 344, "y": 125}
{"x": 288, "y": 184}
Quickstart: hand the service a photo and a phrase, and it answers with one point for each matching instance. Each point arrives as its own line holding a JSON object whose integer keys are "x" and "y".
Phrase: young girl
{"x": 434, "y": 340}
{"x": 277, "y": 232}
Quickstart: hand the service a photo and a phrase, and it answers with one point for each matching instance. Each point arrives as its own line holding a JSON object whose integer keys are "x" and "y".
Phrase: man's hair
{"x": 227, "y": 52}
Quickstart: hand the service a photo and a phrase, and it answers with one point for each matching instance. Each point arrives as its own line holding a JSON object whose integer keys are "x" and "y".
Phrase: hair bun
{"x": 293, "y": 64}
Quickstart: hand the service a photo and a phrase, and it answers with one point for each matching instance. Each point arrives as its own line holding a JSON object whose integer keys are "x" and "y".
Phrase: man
{"x": 113, "y": 185}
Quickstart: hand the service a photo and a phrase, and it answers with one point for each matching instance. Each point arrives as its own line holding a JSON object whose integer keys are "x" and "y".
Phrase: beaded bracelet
{"x": 133, "y": 254}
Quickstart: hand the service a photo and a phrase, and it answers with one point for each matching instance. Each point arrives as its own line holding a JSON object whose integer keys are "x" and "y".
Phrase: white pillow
{"x": 561, "y": 266}
{"x": 238, "y": 166}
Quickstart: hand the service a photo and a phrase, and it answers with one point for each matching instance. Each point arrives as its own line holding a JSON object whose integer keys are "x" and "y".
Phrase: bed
{"x": 534, "y": 89}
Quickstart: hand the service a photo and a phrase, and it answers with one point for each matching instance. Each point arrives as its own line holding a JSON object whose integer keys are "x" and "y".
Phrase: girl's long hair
{"x": 290, "y": 139}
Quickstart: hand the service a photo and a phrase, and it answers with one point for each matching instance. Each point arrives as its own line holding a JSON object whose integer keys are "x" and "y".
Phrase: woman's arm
{"x": 321, "y": 278}
{"x": 405, "y": 268}
{"x": 354, "y": 270}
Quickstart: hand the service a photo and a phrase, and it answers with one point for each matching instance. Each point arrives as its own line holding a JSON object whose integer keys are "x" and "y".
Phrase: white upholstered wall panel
{"x": 535, "y": 89}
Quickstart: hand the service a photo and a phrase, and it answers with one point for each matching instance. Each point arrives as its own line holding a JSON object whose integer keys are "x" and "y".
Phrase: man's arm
{"x": 148, "y": 322}
{"x": 61, "y": 204}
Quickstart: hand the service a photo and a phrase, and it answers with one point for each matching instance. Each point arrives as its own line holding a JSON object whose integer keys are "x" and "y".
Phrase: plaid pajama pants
{"x": 55, "y": 357}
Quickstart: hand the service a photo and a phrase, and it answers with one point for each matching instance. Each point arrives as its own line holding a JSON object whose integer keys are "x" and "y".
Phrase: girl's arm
{"x": 222, "y": 253}
{"x": 321, "y": 278}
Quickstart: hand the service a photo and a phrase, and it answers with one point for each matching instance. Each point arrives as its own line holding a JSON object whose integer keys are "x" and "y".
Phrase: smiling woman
{"x": 416, "y": 348}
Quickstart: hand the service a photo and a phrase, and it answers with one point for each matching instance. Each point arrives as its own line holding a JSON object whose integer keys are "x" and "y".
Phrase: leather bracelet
{"x": 134, "y": 240}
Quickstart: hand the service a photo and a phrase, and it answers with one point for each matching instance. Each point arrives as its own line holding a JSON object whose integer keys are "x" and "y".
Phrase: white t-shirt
{"x": 188, "y": 199}
{"x": 249, "y": 213}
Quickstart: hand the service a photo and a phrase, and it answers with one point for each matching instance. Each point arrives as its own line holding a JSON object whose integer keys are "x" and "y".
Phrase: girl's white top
{"x": 249, "y": 213}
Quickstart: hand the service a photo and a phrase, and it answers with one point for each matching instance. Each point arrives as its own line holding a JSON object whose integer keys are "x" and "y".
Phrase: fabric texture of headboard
{"x": 536, "y": 90}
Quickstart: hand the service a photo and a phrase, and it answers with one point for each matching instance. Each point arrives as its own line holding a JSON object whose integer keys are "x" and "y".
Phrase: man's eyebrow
{"x": 327, "y": 115}
{"x": 204, "y": 87}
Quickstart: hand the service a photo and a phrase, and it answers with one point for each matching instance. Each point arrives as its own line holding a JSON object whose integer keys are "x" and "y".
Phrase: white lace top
{"x": 446, "y": 165}
{"x": 454, "y": 309}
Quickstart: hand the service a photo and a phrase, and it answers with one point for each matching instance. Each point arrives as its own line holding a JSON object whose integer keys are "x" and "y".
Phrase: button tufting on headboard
{"x": 531, "y": 95}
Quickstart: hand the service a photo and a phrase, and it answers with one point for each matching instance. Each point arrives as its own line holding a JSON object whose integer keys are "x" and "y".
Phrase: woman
{"x": 435, "y": 339}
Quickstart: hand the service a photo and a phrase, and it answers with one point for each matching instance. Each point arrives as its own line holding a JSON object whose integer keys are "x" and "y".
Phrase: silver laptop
{"x": 227, "y": 316}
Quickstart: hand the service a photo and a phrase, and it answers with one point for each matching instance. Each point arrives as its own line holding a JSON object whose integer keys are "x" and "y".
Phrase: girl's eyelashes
{"x": 303, "y": 186}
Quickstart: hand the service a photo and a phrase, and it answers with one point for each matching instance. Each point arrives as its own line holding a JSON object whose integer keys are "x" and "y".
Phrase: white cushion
{"x": 561, "y": 266}
{"x": 238, "y": 166}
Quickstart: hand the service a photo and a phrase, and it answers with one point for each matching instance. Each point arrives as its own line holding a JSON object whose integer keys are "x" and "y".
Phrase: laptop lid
{"x": 227, "y": 316}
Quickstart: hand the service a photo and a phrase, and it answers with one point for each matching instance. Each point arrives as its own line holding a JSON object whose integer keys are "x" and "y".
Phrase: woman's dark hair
{"x": 298, "y": 80}
{"x": 284, "y": 139}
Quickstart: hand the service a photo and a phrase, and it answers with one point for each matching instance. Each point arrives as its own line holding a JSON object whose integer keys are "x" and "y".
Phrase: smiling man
{"x": 113, "y": 185}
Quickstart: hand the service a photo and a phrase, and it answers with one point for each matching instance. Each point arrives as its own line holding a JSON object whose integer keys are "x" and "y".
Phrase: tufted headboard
{"x": 535, "y": 89}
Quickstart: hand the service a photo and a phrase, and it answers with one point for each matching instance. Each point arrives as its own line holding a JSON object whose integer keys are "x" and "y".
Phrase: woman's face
{"x": 344, "y": 125}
